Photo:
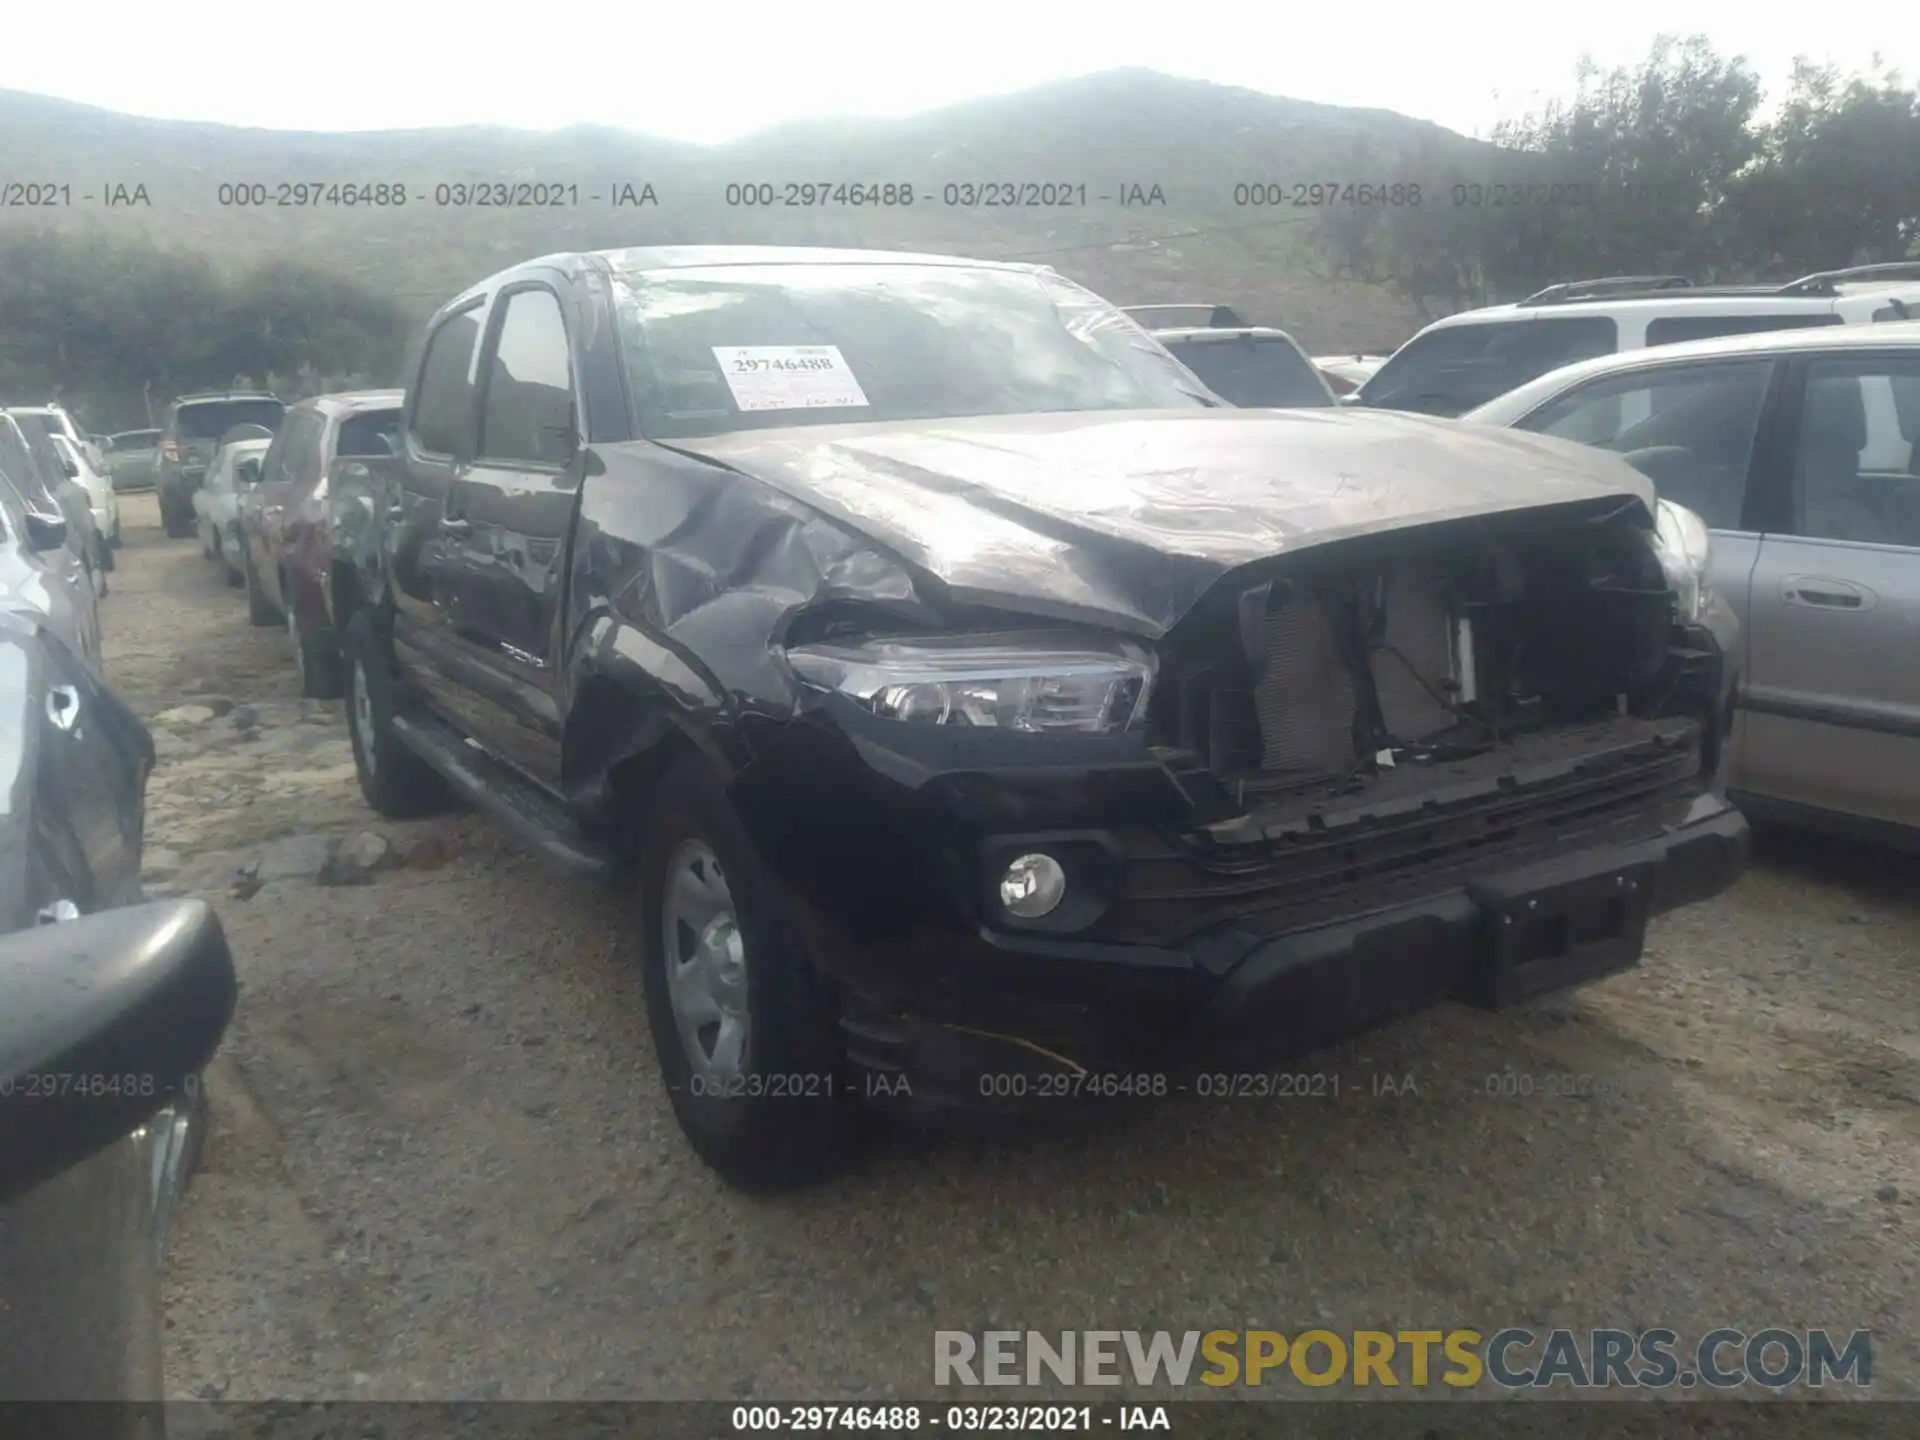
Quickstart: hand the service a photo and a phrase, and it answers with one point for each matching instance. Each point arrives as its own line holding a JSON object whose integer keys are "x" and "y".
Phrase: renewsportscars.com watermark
{"x": 1510, "y": 1359}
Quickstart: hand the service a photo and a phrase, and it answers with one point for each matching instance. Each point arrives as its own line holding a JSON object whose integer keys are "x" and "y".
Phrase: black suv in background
{"x": 189, "y": 439}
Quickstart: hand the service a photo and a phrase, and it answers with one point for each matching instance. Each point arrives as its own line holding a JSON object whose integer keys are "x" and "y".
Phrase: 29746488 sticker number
{"x": 789, "y": 377}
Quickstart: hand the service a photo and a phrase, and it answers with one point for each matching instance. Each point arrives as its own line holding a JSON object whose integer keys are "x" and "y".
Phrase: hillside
{"x": 1175, "y": 147}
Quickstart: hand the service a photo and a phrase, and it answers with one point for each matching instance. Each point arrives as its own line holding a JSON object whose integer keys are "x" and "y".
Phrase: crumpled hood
{"x": 1127, "y": 518}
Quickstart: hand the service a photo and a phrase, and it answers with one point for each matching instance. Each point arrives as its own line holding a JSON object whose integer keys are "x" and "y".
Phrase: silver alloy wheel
{"x": 706, "y": 962}
{"x": 363, "y": 717}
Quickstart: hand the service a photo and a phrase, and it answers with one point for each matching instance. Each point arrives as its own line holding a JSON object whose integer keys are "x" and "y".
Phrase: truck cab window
{"x": 527, "y": 415}
{"x": 442, "y": 406}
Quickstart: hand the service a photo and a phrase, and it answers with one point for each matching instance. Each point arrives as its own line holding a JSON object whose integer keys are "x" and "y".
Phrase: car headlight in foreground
{"x": 1684, "y": 546}
{"x": 1037, "y": 682}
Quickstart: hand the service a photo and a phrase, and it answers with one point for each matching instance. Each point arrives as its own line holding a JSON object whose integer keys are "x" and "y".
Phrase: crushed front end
{"x": 1462, "y": 761}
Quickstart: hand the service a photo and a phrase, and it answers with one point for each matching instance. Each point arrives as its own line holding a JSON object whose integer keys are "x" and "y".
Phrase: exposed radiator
{"x": 1306, "y": 698}
{"x": 1421, "y": 640}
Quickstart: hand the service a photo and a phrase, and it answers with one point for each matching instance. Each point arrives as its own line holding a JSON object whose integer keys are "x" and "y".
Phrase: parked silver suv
{"x": 1800, "y": 450}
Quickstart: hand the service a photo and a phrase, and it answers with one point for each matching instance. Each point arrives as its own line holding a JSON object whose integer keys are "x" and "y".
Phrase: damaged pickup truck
{"x": 983, "y": 714}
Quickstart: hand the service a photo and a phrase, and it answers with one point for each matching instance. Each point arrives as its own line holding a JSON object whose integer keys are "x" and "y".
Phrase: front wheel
{"x": 396, "y": 782}
{"x": 745, "y": 1025}
{"x": 176, "y": 516}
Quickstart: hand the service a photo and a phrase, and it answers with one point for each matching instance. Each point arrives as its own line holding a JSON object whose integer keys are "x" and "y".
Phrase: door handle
{"x": 1825, "y": 592}
{"x": 456, "y": 527}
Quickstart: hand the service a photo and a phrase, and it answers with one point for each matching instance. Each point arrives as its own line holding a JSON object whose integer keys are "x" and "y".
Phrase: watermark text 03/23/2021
{"x": 1460, "y": 1357}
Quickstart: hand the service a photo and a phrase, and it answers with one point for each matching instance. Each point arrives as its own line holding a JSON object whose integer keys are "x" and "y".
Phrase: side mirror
{"x": 46, "y": 532}
{"x": 247, "y": 472}
{"x": 104, "y": 1021}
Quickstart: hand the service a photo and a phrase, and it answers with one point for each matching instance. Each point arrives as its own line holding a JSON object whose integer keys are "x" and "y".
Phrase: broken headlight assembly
{"x": 1681, "y": 541}
{"x": 1035, "y": 682}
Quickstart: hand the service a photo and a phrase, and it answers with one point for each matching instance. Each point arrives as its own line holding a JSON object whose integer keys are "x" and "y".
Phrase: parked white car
{"x": 1347, "y": 373}
{"x": 216, "y": 504}
{"x": 101, "y": 500}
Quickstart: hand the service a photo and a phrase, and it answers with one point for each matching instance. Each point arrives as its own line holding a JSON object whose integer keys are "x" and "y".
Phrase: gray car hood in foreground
{"x": 1127, "y": 518}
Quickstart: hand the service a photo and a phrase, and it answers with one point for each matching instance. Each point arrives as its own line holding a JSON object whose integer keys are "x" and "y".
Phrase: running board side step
{"x": 501, "y": 792}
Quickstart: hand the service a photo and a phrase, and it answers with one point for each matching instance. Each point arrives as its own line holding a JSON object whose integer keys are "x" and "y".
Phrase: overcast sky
{"x": 711, "y": 71}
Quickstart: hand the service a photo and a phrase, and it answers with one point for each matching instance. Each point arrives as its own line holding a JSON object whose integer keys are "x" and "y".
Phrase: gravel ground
{"x": 443, "y": 1165}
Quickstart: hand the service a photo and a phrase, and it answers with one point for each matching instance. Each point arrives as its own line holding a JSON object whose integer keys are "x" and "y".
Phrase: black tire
{"x": 260, "y": 610}
{"x": 754, "y": 1141}
{"x": 176, "y": 517}
{"x": 316, "y": 663}
{"x": 199, "y": 1122}
{"x": 98, "y": 569}
{"x": 396, "y": 782}
{"x": 209, "y": 542}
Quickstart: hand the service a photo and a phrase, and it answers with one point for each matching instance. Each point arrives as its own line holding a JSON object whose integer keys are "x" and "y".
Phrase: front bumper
{"x": 1499, "y": 940}
{"x": 1536, "y": 872}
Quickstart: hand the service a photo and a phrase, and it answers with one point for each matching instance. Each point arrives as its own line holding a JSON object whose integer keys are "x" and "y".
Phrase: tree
{"x": 1630, "y": 175}
{"x": 104, "y": 325}
{"x": 1837, "y": 180}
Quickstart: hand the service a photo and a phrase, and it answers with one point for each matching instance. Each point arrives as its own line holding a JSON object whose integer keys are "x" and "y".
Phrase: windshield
{"x": 211, "y": 421}
{"x": 723, "y": 348}
{"x": 1451, "y": 370}
{"x": 1254, "y": 373}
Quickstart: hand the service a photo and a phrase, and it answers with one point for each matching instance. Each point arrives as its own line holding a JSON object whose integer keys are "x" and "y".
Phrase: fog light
{"x": 1034, "y": 885}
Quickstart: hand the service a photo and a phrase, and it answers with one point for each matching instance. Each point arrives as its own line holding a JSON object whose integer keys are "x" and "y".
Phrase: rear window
{"x": 1254, "y": 373}
{"x": 135, "y": 439}
{"x": 40, "y": 430}
{"x": 1672, "y": 329}
{"x": 209, "y": 420}
{"x": 19, "y": 467}
{"x": 1451, "y": 370}
{"x": 376, "y": 432}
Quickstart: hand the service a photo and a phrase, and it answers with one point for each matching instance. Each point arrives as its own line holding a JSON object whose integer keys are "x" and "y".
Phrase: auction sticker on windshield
{"x": 788, "y": 377}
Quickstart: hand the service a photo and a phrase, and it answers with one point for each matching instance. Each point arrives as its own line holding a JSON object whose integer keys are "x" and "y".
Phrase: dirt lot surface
{"x": 443, "y": 1165}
